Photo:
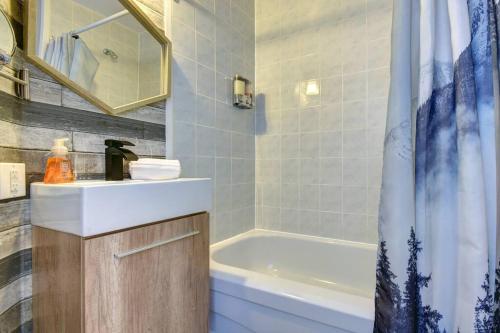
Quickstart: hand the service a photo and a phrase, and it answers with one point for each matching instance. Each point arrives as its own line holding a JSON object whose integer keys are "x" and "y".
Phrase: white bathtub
{"x": 266, "y": 281}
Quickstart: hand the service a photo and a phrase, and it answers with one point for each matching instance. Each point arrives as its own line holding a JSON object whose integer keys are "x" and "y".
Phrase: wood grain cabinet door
{"x": 149, "y": 279}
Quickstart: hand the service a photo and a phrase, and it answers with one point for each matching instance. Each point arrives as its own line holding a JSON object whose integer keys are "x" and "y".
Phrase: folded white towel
{"x": 155, "y": 161}
{"x": 154, "y": 169}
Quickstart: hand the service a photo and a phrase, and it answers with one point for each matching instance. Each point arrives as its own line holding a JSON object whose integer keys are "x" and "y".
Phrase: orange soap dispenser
{"x": 59, "y": 168}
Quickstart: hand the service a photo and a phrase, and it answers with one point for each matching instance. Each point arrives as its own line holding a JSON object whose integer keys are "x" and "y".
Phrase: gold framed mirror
{"x": 108, "y": 52}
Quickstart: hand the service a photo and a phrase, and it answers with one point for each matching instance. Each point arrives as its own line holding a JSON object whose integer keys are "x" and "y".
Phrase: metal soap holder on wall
{"x": 242, "y": 93}
{"x": 20, "y": 77}
{"x": 8, "y": 46}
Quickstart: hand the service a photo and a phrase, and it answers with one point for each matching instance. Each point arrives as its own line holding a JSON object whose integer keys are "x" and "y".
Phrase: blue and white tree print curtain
{"x": 437, "y": 259}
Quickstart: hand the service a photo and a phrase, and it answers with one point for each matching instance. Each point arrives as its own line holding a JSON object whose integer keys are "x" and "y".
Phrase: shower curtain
{"x": 437, "y": 258}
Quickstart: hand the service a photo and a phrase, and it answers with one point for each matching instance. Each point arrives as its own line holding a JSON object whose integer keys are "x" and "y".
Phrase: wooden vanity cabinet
{"x": 152, "y": 278}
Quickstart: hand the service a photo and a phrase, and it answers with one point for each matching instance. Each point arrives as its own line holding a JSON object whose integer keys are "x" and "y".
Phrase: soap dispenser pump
{"x": 59, "y": 168}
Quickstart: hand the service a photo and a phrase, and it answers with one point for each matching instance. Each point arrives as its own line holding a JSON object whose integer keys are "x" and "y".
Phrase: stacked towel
{"x": 154, "y": 169}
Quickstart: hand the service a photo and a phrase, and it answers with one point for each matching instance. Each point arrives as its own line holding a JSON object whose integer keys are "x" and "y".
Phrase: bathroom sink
{"x": 89, "y": 208}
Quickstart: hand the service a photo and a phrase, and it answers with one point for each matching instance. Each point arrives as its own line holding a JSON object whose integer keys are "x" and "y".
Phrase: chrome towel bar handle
{"x": 156, "y": 244}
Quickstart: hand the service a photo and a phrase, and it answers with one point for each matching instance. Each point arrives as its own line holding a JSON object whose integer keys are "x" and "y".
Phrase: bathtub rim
{"x": 336, "y": 308}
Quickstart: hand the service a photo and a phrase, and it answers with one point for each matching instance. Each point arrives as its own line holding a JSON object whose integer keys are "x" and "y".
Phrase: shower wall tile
{"x": 331, "y": 144}
{"x": 184, "y": 39}
{"x": 184, "y": 13}
{"x": 184, "y": 138}
{"x": 205, "y": 168}
{"x": 379, "y": 55}
{"x": 286, "y": 171}
{"x": 354, "y": 87}
{"x": 222, "y": 143}
{"x": 309, "y": 221}
{"x": 353, "y": 172}
{"x": 353, "y": 115}
{"x": 379, "y": 22}
{"x": 330, "y": 198}
{"x": 205, "y": 83}
{"x": 205, "y": 141}
{"x": 331, "y": 225}
{"x": 267, "y": 8}
{"x": 378, "y": 83}
{"x": 212, "y": 42}
{"x": 223, "y": 10}
{"x": 205, "y": 111}
{"x": 322, "y": 79}
{"x": 375, "y": 112}
{"x": 290, "y": 220}
{"x": 223, "y": 88}
{"x": 205, "y": 24}
{"x": 309, "y": 171}
{"x": 330, "y": 171}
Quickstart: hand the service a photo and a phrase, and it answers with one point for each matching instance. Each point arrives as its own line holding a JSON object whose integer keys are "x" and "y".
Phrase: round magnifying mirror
{"x": 7, "y": 39}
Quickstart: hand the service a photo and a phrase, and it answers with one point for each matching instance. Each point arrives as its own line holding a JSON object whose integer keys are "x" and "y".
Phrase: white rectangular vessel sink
{"x": 89, "y": 208}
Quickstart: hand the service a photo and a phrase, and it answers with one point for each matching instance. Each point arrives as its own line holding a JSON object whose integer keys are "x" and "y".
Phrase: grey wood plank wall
{"x": 26, "y": 133}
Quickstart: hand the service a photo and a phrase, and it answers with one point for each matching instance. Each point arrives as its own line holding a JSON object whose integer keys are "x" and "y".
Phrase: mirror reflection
{"x": 100, "y": 47}
{"x": 7, "y": 39}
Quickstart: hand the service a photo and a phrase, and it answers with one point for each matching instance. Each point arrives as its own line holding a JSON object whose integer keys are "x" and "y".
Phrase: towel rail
{"x": 21, "y": 80}
{"x": 96, "y": 24}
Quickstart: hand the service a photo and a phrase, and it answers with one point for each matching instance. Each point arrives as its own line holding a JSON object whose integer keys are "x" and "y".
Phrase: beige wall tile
{"x": 344, "y": 46}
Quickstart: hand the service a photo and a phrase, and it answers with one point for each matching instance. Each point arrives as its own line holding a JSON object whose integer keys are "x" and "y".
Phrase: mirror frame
{"x": 30, "y": 16}
{"x": 14, "y": 46}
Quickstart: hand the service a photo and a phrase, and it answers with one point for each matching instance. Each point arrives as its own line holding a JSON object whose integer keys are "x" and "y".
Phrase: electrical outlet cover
{"x": 12, "y": 180}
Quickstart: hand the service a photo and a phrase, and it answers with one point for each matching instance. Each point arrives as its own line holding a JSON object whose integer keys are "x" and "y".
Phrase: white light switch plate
{"x": 12, "y": 180}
